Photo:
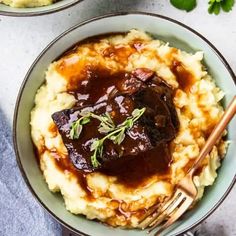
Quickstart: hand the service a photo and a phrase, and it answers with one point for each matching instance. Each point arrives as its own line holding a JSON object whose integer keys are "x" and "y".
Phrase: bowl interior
{"x": 164, "y": 29}
{"x": 31, "y": 11}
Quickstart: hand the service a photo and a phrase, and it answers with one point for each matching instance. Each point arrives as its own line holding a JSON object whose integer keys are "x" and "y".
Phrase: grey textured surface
{"x": 20, "y": 214}
{"x": 22, "y": 39}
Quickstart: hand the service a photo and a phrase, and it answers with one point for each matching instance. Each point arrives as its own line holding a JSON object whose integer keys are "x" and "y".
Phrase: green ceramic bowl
{"x": 35, "y": 11}
{"x": 164, "y": 28}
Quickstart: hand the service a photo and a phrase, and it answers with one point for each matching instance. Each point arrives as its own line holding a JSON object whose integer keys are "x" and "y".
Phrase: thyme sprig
{"x": 114, "y": 133}
{"x": 117, "y": 136}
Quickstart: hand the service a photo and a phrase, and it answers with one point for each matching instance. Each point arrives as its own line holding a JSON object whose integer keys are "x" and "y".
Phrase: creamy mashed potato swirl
{"x": 26, "y": 3}
{"x": 97, "y": 195}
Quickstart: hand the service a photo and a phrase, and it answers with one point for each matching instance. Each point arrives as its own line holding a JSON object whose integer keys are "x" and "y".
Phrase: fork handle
{"x": 215, "y": 134}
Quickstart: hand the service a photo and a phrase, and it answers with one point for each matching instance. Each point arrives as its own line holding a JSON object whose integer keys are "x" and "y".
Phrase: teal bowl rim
{"x": 39, "y": 13}
{"x": 216, "y": 51}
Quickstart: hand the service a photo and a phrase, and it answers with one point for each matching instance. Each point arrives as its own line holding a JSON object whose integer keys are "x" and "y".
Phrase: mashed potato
{"x": 198, "y": 110}
{"x": 27, "y": 3}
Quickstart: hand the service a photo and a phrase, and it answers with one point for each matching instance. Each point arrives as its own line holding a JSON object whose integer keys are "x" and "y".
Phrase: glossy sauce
{"x": 124, "y": 209}
{"x": 91, "y": 84}
{"x": 184, "y": 77}
{"x": 135, "y": 170}
{"x": 65, "y": 165}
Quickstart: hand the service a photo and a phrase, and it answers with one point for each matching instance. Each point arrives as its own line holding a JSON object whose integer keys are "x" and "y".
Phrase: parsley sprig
{"x": 214, "y": 6}
{"x": 187, "y": 5}
{"x": 114, "y": 133}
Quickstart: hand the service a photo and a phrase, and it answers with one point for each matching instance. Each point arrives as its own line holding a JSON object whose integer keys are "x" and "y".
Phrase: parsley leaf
{"x": 227, "y": 5}
{"x": 187, "y": 5}
{"x": 216, "y": 5}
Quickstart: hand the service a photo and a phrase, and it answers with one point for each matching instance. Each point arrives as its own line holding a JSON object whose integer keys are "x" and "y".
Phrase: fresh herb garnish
{"x": 117, "y": 135}
{"x": 107, "y": 124}
{"x": 187, "y": 5}
{"x": 216, "y": 5}
{"x": 77, "y": 126}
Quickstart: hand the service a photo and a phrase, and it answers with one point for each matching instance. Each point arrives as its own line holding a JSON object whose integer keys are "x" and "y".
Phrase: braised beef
{"x": 119, "y": 94}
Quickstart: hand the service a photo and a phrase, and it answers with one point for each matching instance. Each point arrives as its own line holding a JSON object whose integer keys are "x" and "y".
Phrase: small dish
{"x": 36, "y": 11}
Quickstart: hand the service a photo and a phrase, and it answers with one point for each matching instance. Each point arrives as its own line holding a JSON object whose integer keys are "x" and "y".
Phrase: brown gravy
{"x": 135, "y": 171}
{"x": 64, "y": 164}
{"x": 184, "y": 77}
{"x": 88, "y": 84}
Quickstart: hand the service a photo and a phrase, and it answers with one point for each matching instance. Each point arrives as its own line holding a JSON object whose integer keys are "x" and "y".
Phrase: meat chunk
{"x": 159, "y": 117}
{"x": 136, "y": 139}
{"x": 157, "y": 126}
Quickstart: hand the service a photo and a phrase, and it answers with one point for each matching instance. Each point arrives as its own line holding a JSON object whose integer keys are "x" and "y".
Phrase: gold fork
{"x": 185, "y": 191}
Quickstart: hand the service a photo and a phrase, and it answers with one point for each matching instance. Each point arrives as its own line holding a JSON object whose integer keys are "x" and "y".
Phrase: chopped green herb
{"x": 105, "y": 126}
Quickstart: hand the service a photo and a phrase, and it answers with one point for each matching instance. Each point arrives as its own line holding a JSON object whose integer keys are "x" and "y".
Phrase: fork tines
{"x": 170, "y": 209}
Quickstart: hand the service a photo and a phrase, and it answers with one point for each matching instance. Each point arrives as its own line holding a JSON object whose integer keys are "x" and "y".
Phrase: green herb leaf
{"x": 216, "y": 5}
{"x": 120, "y": 138}
{"x": 105, "y": 118}
{"x": 187, "y": 5}
{"x": 85, "y": 120}
{"x": 97, "y": 147}
{"x": 103, "y": 128}
{"x": 77, "y": 126}
{"x": 94, "y": 160}
{"x": 227, "y": 5}
{"x": 107, "y": 125}
{"x": 137, "y": 113}
{"x": 85, "y": 113}
{"x": 95, "y": 144}
{"x": 129, "y": 123}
